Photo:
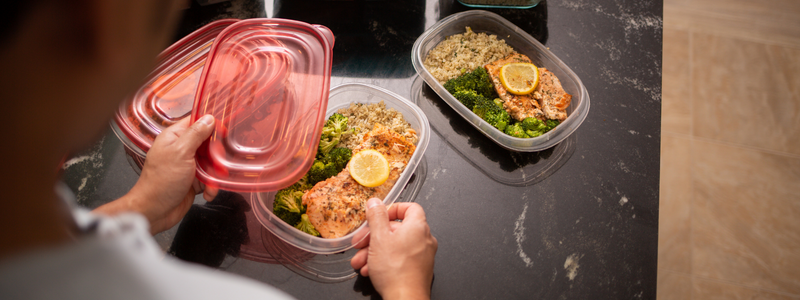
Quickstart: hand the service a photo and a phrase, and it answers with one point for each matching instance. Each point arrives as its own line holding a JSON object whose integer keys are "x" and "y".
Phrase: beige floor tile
{"x": 773, "y": 21}
{"x": 676, "y": 112}
{"x": 746, "y": 93}
{"x": 710, "y": 290}
{"x": 745, "y": 225}
{"x": 674, "y": 286}
{"x": 674, "y": 243}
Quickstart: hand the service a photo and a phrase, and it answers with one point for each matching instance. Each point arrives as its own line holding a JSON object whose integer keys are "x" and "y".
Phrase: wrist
{"x": 406, "y": 292}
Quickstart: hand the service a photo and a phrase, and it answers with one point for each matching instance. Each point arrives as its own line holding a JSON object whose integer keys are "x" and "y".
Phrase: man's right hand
{"x": 397, "y": 256}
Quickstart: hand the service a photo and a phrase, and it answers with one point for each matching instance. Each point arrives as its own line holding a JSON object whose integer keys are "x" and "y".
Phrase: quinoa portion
{"x": 362, "y": 118}
{"x": 464, "y": 52}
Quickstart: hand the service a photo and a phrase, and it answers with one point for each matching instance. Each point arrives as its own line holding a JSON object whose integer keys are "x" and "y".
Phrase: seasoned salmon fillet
{"x": 518, "y": 106}
{"x": 552, "y": 97}
{"x": 338, "y": 205}
{"x": 547, "y": 101}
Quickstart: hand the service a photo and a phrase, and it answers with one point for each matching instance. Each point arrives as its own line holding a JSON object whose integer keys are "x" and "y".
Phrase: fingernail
{"x": 207, "y": 119}
{"x": 373, "y": 202}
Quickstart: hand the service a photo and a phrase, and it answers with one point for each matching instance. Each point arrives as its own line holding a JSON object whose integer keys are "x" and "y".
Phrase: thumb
{"x": 377, "y": 217}
{"x": 193, "y": 136}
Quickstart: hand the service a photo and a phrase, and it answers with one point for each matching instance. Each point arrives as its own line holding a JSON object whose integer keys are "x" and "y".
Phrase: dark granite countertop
{"x": 586, "y": 229}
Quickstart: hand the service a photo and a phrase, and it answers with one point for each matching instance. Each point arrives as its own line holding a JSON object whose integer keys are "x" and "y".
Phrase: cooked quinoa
{"x": 464, "y": 52}
{"x": 362, "y": 118}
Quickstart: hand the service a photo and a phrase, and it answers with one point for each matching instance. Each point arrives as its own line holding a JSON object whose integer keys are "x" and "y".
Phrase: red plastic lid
{"x": 169, "y": 91}
{"x": 266, "y": 82}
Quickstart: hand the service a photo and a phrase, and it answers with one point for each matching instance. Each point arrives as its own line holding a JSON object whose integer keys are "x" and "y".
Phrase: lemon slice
{"x": 519, "y": 78}
{"x": 369, "y": 168}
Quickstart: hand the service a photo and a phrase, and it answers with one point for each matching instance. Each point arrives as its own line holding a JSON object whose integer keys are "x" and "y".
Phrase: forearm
{"x": 126, "y": 204}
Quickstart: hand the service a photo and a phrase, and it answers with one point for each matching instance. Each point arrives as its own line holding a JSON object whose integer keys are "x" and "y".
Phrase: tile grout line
{"x": 707, "y": 30}
{"x": 739, "y": 284}
{"x": 748, "y": 147}
{"x": 691, "y": 157}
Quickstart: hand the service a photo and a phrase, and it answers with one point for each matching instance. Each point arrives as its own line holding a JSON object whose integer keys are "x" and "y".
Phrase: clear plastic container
{"x": 519, "y": 4}
{"x": 491, "y": 23}
{"x": 168, "y": 93}
{"x": 341, "y": 97}
{"x": 265, "y": 82}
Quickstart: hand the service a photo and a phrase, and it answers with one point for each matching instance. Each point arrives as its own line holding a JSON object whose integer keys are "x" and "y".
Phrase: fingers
{"x": 377, "y": 217}
{"x": 210, "y": 193}
{"x": 194, "y": 135}
{"x": 406, "y": 211}
{"x": 360, "y": 259}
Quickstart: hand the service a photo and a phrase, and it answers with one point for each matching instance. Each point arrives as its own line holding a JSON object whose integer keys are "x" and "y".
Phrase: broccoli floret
{"x": 286, "y": 216}
{"x": 500, "y": 125}
{"x": 321, "y": 171}
{"x": 499, "y": 102}
{"x": 301, "y": 185}
{"x": 532, "y": 133}
{"x": 326, "y": 146}
{"x": 288, "y": 205}
{"x": 534, "y": 124}
{"x": 334, "y": 127}
{"x": 338, "y": 122}
{"x": 516, "y": 130}
{"x": 339, "y": 158}
{"x": 287, "y": 199}
{"x": 552, "y": 124}
{"x": 478, "y": 80}
{"x": 305, "y": 226}
{"x": 469, "y": 98}
{"x": 492, "y": 114}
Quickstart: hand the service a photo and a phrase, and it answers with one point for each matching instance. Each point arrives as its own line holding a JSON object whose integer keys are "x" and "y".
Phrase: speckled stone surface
{"x": 589, "y": 230}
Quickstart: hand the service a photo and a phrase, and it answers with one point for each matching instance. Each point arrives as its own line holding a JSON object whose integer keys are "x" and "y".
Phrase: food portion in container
{"x": 362, "y": 152}
{"x": 498, "y": 84}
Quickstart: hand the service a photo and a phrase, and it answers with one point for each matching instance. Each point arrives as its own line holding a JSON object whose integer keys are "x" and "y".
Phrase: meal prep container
{"x": 522, "y": 42}
{"x": 265, "y": 82}
{"x": 341, "y": 97}
{"x": 168, "y": 92}
{"x": 519, "y": 4}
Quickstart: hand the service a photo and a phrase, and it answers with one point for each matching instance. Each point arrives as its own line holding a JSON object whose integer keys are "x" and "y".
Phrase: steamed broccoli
{"x": 499, "y": 102}
{"x": 516, "y": 130}
{"x": 306, "y": 226}
{"x": 288, "y": 205}
{"x": 492, "y": 114}
{"x": 334, "y": 127}
{"x": 320, "y": 171}
{"x": 339, "y": 157}
{"x": 552, "y": 124}
{"x": 301, "y": 185}
{"x": 469, "y": 98}
{"x": 337, "y": 122}
{"x": 532, "y": 133}
{"x": 534, "y": 124}
{"x": 478, "y": 80}
{"x": 326, "y": 145}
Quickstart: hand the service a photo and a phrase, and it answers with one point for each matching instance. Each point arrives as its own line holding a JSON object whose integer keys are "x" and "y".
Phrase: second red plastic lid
{"x": 266, "y": 83}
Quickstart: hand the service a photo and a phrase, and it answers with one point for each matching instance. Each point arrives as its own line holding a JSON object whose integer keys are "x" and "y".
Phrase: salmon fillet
{"x": 518, "y": 106}
{"x": 338, "y": 205}
{"x": 547, "y": 101}
{"x": 551, "y": 96}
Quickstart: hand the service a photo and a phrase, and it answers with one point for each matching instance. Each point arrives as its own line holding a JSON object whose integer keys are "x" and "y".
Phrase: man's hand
{"x": 167, "y": 186}
{"x": 397, "y": 256}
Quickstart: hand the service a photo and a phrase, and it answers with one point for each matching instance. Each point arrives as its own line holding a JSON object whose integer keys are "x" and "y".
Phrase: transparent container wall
{"x": 522, "y": 42}
{"x": 340, "y": 97}
{"x": 519, "y": 4}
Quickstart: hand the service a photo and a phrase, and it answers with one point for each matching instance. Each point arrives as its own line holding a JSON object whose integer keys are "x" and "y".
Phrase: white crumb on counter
{"x": 571, "y": 265}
